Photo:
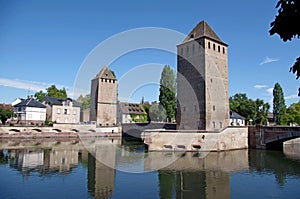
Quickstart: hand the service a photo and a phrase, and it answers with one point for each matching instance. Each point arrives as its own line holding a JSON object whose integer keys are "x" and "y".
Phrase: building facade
{"x": 62, "y": 110}
{"x": 131, "y": 113}
{"x": 236, "y": 119}
{"x": 30, "y": 112}
{"x": 103, "y": 106}
{"x": 202, "y": 81}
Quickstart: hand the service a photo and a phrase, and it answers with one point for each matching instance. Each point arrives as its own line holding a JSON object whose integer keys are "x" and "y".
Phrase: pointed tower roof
{"x": 202, "y": 29}
{"x": 106, "y": 74}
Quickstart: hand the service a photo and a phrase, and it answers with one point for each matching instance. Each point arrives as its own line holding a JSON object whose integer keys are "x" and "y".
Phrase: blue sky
{"x": 46, "y": 42}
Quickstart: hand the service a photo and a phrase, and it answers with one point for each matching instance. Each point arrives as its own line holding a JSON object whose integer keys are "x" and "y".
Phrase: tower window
{"x": 209, "y": 45}
{"x": 220, "y": 124}
{"x": 214, "y": 125}
{"x": 214, "y": 46}
{"x": 214, "y": 107}
{"x": 219, "y": 49}
{"x": 187, "y": 50}
{"x": 223, "y": 50}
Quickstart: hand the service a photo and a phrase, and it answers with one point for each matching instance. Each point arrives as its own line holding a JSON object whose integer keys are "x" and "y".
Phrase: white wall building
{"x": 236, "y": 119}
{"x": 30, "y": 111}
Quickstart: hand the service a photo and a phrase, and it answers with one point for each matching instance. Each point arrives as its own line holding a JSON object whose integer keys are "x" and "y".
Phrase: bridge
{"x": 271, "y": 137}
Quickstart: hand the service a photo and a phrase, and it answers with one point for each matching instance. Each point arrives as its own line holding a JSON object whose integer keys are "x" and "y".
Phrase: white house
{"x": 62, "y": 110}
{"x": 236, "y": 119}
{"x": 30, "y": 111}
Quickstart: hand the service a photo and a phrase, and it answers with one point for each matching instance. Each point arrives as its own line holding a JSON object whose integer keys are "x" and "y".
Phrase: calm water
{"x": 66, "y": 169}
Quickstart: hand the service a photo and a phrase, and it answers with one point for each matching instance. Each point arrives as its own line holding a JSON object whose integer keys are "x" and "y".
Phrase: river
{"x": 114, "y": 168}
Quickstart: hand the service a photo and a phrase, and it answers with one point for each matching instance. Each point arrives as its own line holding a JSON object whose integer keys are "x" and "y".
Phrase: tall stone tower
{"x": 103, "y": 107}
{"x": 202, "y": 81}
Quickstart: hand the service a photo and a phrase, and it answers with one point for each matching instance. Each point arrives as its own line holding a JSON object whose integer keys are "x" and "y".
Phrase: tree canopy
{"x": 5, "y": 114}
{"x": 286, "y": 25}
{"x": 52, "y": 91}
{"x": 157, "y": 113}
{"x": 293, "y": 113}
{"x": 167, "y": 90}
{"x": 279, "y": 106}
{"x": 257, "y": 110}
{"x": 85, "y": 101}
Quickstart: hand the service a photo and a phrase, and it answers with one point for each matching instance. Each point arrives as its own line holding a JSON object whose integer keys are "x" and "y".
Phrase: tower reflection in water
{"x": 192, "y": 175}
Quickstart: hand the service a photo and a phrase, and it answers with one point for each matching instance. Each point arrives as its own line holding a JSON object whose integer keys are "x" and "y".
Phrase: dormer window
{"x": 192, "y": 36}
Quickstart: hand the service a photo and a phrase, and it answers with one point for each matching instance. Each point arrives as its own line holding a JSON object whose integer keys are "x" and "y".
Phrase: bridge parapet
{"x": 263, "y": 137}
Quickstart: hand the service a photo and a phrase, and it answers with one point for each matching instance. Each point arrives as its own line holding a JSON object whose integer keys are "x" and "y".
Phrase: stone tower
{"x": 202, "y": 81}
{"x": 103, "y": 107}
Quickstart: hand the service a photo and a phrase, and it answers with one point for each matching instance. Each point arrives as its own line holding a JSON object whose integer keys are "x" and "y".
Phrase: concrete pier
{"x": 229, "y": 138}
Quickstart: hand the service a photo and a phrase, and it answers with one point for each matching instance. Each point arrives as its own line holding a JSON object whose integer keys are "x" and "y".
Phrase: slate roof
{"x": 58, "y": 101}
{"x": 30, "y": 102}
{"x": 105, "y": 73}
{"x": 235, "y": 115}
{"x": 131, "y": 108}
{"x": 202, "y": 29}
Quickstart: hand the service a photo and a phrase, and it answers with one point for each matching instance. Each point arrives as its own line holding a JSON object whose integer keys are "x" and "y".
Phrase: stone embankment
{"x": 34, "y": 135}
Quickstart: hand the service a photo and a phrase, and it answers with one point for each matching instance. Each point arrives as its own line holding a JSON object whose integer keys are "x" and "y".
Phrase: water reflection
{"x": 191, "y": 175}
{"x": 41, "y": 160}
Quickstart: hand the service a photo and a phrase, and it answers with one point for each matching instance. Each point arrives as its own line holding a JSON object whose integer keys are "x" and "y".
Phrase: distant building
{"x": 236, "y": 119}
{"x": 85, "y": 115}
{"x": 62, "y": 110}
{"x": 271, "y": 120}
{"x": 130, "y": 113}
{"x": 6, "y": 107}
{"x": 202, "y": 81}
{"x": 103, "y": 108}
{"x": 30, "y": 111}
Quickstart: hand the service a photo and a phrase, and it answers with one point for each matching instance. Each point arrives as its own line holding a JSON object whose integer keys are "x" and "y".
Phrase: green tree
{"x": 40, "y": 95}
{"x": 262, "y": 110}
{"x": 157, "y": 113}
{"x": 167, "y": 91}
{"x": 5, "y": 114}
{"x": 242, "y": 105}
{"x": 85, "y": 102}
{"x": 286, "y": 25}
{"x": 256, "y": 110}
{"x": 279, "y": 107}
{"x": 293, "y": 113}
{"x": 52, "y": 91}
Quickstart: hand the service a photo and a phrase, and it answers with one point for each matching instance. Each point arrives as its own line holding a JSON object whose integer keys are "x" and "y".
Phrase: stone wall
{"x": 228, "y": 139}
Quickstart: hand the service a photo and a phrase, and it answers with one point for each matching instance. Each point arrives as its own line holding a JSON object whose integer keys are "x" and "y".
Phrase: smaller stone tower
{"x": 103, "y": 107}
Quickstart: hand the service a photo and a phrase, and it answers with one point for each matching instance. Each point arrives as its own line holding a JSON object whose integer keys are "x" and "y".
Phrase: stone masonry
{"x": 202, "y": 81}
{"x": 103, "y": 108}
